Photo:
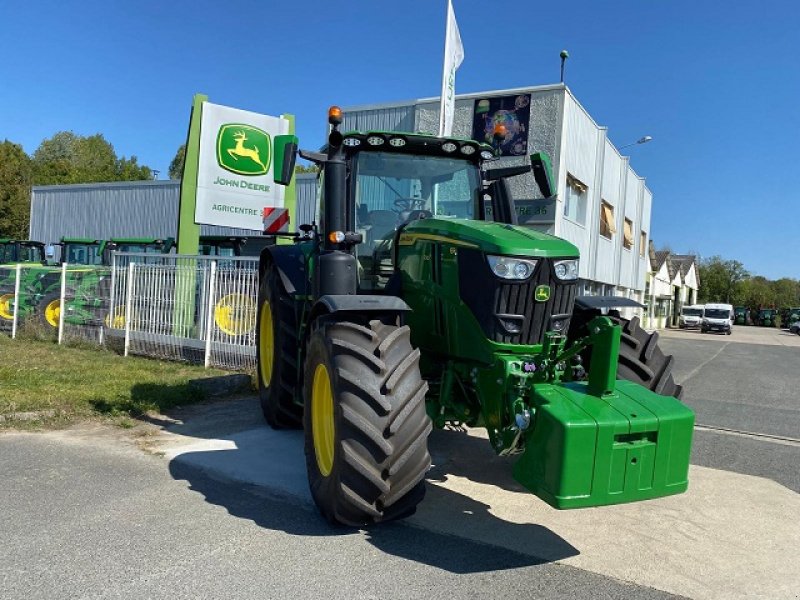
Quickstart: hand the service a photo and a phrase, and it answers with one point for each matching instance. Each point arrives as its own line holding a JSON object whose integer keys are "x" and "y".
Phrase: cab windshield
{"x": 82, "y": 254}
{"x": 20, "y": 252}
{"x": 148, "y": 248}
{"x": 692, "y": 312}
{"x": 389, "y": 185}
{"x": 717, "y": 313}
{"x": 392, "y": 189}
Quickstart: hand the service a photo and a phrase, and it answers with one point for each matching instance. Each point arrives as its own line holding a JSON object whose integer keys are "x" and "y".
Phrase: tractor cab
{"x": 21, "y": 251}
{"x": 374, "y": 184}
{"x": 221, "y": 245}
{"x": 144, "y": 245}
{"x": 83, "y": 251}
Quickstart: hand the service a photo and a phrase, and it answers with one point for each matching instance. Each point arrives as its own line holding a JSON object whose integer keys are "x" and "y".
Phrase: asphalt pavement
{"x": 88, "y": 515}
{"x": 208, "y": 502}
{"x": 745, "y": 390}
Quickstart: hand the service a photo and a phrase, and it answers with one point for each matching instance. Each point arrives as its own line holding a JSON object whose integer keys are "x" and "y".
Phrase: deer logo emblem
{"x": 243, "y": 149}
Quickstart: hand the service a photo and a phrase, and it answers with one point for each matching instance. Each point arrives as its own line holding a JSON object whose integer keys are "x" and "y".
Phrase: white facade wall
{"x": 578, "y": 158}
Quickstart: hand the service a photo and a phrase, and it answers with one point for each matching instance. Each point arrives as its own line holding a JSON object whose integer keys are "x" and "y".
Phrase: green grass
{"x": 63, "y": 384}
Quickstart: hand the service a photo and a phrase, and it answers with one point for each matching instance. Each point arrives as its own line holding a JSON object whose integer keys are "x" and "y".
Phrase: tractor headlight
{"x": 566, "y": 269}
{"x": 508, "y": 267}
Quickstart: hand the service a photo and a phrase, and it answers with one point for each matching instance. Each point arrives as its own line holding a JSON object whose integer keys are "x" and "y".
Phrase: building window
{"x": 607, "y": 227}
{"x": 627, "y": 234}
{"x": 575, "y": 202}
{"x": 642, "y": 243}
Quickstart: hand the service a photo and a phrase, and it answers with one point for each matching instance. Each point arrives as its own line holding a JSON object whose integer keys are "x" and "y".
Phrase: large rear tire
{"x": 640, "y": 358}
{"x": 366, "y": 428}
{"x": 276, "y": 354}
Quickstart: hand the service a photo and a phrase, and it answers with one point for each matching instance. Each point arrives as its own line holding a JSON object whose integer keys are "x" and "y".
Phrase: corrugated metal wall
{"x": 306, "y": 186}
{"x": 105, "y": 210}
{"x": 392, "y": 118}
{"x": 129, "y": 209}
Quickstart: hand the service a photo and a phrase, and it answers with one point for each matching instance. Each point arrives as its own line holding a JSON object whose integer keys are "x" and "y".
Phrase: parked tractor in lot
{"x": 89, "y": 278}
{"x": 740, "y": 315}
{"x": 767, "y": 317}
{"x": 36, "y": 278}
{"x": 789, "y": 316}
{"x": 417, "y": 302}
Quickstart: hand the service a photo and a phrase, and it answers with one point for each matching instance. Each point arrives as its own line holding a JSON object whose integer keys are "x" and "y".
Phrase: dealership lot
{"x": 209, "y": 502}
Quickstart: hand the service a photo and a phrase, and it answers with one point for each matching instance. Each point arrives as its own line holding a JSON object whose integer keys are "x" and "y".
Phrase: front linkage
{"x": 585, "y": 440}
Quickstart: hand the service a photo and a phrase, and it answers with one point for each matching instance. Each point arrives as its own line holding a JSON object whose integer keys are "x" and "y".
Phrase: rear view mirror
{"x": 543, "y": 174}
{"x": 285, "y": 158}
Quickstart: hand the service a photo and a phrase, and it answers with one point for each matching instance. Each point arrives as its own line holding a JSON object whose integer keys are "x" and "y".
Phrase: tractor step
{"x": 585, "y": 450}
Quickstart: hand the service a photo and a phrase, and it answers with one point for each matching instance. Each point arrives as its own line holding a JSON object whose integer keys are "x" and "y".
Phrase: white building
{"x": 672, "y": 283}
{"x": 602, "y": 205}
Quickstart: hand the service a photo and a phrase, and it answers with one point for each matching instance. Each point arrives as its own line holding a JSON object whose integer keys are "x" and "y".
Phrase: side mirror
{"x": 285, "y": 158}
{"x": 543, "y": 174}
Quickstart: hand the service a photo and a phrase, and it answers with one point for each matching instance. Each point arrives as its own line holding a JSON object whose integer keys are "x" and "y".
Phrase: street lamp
{"x": 642, "y": 140}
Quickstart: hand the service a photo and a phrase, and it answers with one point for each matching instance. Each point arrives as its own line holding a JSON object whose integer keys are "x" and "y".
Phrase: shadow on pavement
{"x": 259, "y": 474}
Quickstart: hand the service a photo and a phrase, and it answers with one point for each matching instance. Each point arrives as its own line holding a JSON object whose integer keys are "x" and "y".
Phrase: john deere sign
{"x": 243, "y": 149}
{"x": 234, "y": 181}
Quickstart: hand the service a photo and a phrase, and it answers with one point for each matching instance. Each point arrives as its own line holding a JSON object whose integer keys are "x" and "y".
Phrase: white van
{"x": 717, "y": 317}
{"x": 691, "y": 316}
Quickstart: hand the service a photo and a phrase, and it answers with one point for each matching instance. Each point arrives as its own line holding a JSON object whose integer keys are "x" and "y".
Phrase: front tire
{"x": 366, "y": 427}
{"x": 276, "y": 354}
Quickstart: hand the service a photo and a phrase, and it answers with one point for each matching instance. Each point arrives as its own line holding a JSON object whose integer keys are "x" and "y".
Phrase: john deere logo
{"x": 542, "y": 293}
{"x": 243, "y": 149}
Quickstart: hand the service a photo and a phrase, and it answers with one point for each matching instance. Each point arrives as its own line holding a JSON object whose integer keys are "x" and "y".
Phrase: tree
{"x": 176, "y": 166}
{"x": 757, "y": 292}
{"x": 306, "y": 169}
{"x": 15, "y": 190}
{"x": 786, "y": 292}
{"x": 720, "y": 279}
{"x": 70, "y": 158}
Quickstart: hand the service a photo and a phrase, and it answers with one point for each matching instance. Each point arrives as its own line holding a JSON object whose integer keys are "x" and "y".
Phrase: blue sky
{"x": 716, "y": 84}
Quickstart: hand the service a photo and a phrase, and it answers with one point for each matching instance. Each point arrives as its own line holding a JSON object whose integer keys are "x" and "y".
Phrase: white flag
{"x": 453, "y": 56}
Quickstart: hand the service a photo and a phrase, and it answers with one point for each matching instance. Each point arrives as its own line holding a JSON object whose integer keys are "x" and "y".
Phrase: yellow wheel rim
{"x": 7, "y": 306}
{"x": 266, "y": 344}
{"x": 52, "y": 312}
{"x": 118, "y": 321}
{"x": 322, "y": 427}
{"x": 235, "y": 314}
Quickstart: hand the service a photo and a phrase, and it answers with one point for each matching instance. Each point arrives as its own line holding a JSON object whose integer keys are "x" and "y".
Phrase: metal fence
{"x": 193, "y": 308}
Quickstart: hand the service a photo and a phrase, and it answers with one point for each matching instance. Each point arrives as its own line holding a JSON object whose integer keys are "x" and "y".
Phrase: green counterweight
{"x": 604, "y": 441}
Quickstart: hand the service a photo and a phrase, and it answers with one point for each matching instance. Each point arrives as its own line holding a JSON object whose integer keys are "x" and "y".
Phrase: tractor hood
{"x": 489, "y": 237}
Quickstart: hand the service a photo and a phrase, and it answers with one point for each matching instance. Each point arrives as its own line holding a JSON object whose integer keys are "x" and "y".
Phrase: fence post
{"x": 210, "y": 310}
{"x": 62, "y": 307}
{"x": 111, "y": 303}
{"x": 128, "y": 304}
{"x": 16, "y": 302}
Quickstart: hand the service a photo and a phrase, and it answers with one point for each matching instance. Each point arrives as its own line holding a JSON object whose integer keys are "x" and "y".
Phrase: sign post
{"x": 227, "y": 181}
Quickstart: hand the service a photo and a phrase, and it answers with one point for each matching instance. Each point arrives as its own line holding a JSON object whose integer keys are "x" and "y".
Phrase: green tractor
{"x": 767, "y": 317}
{"x": 417, "y": 302}
{"x": 789, "y": 316}
{"x": 740, "y": 315}
{"x": 89, "y": 278}
{"x": 36, "y": 278}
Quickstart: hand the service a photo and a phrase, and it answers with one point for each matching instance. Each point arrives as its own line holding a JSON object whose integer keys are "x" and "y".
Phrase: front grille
{"x": 498, "y": 303}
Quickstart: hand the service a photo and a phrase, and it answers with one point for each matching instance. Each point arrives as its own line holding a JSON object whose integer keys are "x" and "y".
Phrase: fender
{"x": 360, "y": 304}
{"x": 589, "y": 302}
{"x": 290, "y": 262}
